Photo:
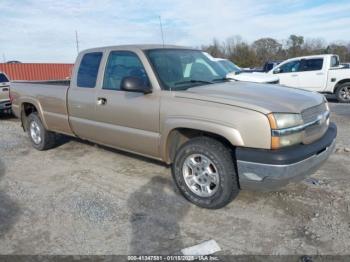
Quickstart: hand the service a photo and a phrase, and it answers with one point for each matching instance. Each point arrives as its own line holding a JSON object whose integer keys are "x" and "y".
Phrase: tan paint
{"x": 141, "y": 123}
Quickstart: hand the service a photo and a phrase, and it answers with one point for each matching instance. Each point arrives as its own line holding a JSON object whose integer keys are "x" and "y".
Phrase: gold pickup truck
{"x": 174, "y": 104}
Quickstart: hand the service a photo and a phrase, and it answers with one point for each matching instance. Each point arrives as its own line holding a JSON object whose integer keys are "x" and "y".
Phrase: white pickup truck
{"x": 235, "y": 73}
{"x": 321, "y": 73}
{"x": 5, "y": 103}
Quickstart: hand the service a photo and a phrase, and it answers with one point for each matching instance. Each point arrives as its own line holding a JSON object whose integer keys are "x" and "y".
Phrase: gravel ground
{"x": 83, "y": 199}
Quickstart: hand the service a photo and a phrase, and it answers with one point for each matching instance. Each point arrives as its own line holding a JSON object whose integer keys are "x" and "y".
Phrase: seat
{"x": 200, "y": 71}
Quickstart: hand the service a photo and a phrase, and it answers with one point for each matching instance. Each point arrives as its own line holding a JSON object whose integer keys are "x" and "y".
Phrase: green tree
{"x": 215, "y": 49}
{"x": 339, "y": 49}
{"x": 295, "y": 43}
{"x": 266, "y": 49}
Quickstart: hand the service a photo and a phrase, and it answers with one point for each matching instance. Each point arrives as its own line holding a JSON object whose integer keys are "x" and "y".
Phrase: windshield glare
{"x": 229, "y": 66}
{"x": 180, "y": 69}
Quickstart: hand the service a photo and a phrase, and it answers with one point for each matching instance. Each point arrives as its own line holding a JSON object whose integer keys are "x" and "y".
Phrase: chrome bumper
{"x": 5, "y": 105}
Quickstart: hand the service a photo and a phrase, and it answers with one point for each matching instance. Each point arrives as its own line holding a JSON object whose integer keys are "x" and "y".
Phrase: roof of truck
{"x": 138, "y": 47}
{"x": 310, "y": 56}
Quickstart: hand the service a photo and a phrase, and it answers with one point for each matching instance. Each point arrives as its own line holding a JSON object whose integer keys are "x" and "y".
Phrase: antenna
{"x": 161, "y": 29}
{"x": 77, "y": 40}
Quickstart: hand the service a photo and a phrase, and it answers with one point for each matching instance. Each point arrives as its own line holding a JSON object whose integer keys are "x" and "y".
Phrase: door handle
{"x": 101, "y": 101}
{"x": 294, "y": 75}
{"x": 319, "y": 74}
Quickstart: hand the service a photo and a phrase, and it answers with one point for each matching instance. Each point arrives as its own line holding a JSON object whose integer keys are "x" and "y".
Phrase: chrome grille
{"x": 311, "y": 114}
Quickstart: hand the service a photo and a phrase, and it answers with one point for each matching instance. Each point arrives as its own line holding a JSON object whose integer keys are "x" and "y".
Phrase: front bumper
{"x": 261, "y": 169}
{"x": 5, "y": 105}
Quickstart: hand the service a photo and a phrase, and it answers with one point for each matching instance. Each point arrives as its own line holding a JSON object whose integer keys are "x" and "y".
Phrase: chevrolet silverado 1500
{"x": 174, "y": 104}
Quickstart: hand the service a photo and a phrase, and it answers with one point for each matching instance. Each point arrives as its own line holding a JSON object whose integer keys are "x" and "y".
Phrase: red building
{"x": 37, "y": 71}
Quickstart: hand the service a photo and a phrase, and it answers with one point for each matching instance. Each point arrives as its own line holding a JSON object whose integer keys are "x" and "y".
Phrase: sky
{"x": 44, "y": 30}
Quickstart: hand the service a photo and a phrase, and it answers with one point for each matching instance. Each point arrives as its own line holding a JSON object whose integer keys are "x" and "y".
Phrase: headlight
{"x": 282, "y": 132}
{"x": 284, "y": 120}
{"x": 327, "y": 105}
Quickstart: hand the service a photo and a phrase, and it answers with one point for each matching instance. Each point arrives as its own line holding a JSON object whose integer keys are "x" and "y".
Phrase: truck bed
{"x": 50, "y": 98}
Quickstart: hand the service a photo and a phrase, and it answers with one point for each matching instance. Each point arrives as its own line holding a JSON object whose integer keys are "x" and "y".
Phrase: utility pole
{"x": 77, "y": 41}
{"x": 4, "y": 57}
{"x": 161, "y": 29}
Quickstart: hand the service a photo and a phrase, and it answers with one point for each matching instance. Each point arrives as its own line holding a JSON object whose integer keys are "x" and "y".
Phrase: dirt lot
{"x": 84, "y": 199}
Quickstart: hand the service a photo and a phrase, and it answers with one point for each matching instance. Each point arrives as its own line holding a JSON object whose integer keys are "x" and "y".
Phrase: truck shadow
{"x": 9, "y": 210}
{"x": 7, "y": 116}
{"x": 63, "y": 139}
{"x": 156, "y": 212}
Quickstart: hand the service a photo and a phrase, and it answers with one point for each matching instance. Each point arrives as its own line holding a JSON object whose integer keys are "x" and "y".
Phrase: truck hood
{"x": 264, "y": 98}
{"x": 254, "y": 77}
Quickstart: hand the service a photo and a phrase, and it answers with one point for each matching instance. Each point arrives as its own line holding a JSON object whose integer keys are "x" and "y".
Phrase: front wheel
{"x": 343, "y": 93}
{"x": 205, "y": 174}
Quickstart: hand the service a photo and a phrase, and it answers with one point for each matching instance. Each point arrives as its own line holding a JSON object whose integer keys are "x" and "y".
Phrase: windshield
{"x": 179, "y": 69}
{"x": 3, "y": 78}
{"x": 229, "y": 66}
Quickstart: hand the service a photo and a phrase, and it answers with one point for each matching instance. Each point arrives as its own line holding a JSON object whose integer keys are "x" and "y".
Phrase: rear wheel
{"x": 205, "y": 174}
{"x": 343, "y": 93}
{"x": 41, "y": 138}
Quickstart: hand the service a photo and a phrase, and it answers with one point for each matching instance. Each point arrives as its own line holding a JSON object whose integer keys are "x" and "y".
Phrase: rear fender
{"x": 36, "y": 104}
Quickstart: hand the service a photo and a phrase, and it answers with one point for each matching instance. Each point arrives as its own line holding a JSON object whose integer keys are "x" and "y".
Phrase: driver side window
{"x": 290, "y": 67}
{"x": 122, "y": 64}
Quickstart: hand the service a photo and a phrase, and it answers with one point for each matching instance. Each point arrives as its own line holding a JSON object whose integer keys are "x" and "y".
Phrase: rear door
{"x": 81, "y": 96}
{"x": 126, "y": 120}
{"x": 288, "y": 73}
{"x": 312, "y": 74}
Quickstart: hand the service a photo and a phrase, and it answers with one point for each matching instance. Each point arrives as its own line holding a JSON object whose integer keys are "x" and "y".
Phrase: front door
{"x": 127, "y": 120}
{"x": 288, "y": 73}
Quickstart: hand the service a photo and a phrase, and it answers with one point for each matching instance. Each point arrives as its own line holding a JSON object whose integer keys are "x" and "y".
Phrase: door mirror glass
{"x": 135, "y": 84}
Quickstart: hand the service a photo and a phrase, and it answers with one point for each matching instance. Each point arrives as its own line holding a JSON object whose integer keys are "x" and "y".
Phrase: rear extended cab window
{"x": 334, "y": 61}
{"x": 88, "y": 70}
{"x": 3, "y": 78}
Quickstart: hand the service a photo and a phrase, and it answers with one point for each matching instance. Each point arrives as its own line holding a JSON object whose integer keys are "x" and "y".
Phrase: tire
{"x": 196, "y": 153}
{"x": 42, "y": 139}
{"x": 343, "y": 93}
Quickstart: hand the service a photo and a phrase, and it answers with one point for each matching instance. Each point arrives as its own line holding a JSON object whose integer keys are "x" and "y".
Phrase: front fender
{"x": 173, "y": 123}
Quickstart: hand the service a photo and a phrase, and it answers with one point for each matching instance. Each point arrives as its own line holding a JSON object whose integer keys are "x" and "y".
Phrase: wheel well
{"x": 27, "y": 109}
{"x": 347, "y": 80}
{"x": 179, "y": 136}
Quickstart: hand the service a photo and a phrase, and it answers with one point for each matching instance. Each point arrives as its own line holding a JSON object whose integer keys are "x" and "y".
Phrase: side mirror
{"x": 135, "y": 84}
{"x": 277, "y": 70}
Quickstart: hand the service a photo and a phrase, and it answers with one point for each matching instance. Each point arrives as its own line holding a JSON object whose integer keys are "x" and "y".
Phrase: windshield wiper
{"x": 221, "y": 79}
{"x": 193, "y": 81}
